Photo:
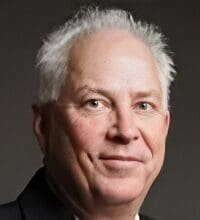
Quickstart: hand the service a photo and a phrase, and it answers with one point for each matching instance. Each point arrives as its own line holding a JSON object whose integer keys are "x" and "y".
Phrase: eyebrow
{"x": 137, "y": 94}
{"x": 93, "y": 90}
{"x": 150, "y": 93}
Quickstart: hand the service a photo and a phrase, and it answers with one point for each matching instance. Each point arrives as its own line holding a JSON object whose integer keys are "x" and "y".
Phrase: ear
{"x": 39, "y": 127}
{"x": 167, "y": 122}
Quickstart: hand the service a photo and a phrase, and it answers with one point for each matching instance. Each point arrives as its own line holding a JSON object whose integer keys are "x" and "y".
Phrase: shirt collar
{"x": 137, "y": 217}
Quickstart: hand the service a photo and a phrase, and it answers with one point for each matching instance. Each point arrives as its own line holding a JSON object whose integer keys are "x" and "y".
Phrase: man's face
{"x": 107, "y": 132}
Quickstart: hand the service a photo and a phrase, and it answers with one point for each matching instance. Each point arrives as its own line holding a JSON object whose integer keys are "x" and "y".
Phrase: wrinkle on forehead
{"x": 112, "y": 58}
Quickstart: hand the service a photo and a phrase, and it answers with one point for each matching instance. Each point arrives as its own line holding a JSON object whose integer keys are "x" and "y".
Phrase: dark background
{"x": 24, "y": 23}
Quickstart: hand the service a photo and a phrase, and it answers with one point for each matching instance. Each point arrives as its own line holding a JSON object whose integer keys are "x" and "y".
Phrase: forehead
{"x": 107, "y": 42}
{"x": 111, "y": 55}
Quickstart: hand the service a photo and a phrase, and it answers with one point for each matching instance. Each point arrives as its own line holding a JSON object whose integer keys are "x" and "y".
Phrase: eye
{"x": 93, "y": 103}
{"x": 145, "y": 106}
{"x": 96, "y": 105}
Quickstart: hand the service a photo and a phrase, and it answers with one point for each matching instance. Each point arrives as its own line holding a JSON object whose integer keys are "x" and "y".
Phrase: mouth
{"x": 118, "y": 162}
{"x": 119, "y": 158}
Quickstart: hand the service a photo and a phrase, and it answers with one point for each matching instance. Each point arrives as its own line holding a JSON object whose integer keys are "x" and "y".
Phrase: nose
{"x": 124, "y": 128}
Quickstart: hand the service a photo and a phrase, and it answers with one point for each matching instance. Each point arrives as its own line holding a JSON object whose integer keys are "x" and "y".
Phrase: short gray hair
{"x": 53, "y": 55}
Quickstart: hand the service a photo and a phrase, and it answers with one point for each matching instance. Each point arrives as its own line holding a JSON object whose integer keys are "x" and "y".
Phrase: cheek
{"x": 154, "y": 134}
{"x": 87, "y": 134}
{"x": 60, "y": 150}
{"x": 154, "y": 138}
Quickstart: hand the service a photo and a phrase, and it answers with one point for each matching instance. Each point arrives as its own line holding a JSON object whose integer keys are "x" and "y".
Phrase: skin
{"x": 104, "y": 139}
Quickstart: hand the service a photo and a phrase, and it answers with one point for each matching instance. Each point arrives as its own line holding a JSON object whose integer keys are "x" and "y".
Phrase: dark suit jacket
{"x": 37, "y": 202}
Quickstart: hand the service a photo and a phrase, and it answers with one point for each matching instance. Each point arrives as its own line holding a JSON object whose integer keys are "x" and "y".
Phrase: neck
{"x": 109, "y": 213}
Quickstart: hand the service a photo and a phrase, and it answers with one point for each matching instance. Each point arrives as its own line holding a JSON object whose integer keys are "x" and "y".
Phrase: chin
{"x": 119, "y": 191}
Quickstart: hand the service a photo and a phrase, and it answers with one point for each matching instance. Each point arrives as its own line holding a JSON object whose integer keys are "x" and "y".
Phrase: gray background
{"x": 24, "y": 23}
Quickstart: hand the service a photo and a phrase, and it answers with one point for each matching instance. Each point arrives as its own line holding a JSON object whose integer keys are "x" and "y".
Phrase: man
{"x": 101, "y": 120}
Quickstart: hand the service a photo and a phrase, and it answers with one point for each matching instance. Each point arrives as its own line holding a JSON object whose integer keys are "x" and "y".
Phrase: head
{"x": 102, "y": 118}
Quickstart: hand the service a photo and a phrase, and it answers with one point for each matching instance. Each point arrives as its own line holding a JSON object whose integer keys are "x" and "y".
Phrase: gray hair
{"x": 53, "y": 55}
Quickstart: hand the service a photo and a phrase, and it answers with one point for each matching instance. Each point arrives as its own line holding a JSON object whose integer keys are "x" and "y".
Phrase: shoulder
{"x": 10, "y": 211}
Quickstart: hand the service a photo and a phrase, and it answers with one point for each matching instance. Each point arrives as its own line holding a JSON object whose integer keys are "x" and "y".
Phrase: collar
{"x": 137, "y": 217}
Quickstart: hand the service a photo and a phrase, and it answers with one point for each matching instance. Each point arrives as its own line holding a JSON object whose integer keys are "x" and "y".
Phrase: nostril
{"x": 120, "y": 140}
{"x": 124, "y": 140}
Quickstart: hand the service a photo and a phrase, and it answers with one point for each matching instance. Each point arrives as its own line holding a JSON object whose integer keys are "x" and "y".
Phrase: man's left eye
{"x": 145, "y": 106}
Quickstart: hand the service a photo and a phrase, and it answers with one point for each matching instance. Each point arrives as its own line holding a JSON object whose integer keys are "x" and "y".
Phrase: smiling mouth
{"x": 119, "y": 158}
{"x": 120, "y": 162}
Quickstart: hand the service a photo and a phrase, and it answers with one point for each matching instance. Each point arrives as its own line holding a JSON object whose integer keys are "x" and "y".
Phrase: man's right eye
{"x": 98, "y": 105}
{"x": 93, "y": 103}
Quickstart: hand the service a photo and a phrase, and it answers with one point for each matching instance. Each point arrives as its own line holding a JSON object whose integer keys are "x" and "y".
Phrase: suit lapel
{"x": 37, "y": 202}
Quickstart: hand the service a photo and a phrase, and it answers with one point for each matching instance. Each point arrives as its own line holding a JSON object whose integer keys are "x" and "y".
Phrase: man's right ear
{"x": 39, "y": 126}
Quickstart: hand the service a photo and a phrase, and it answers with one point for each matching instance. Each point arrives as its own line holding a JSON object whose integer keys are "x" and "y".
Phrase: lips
{"x": 119, "y": 158}
{"x": 119, "y": 162}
